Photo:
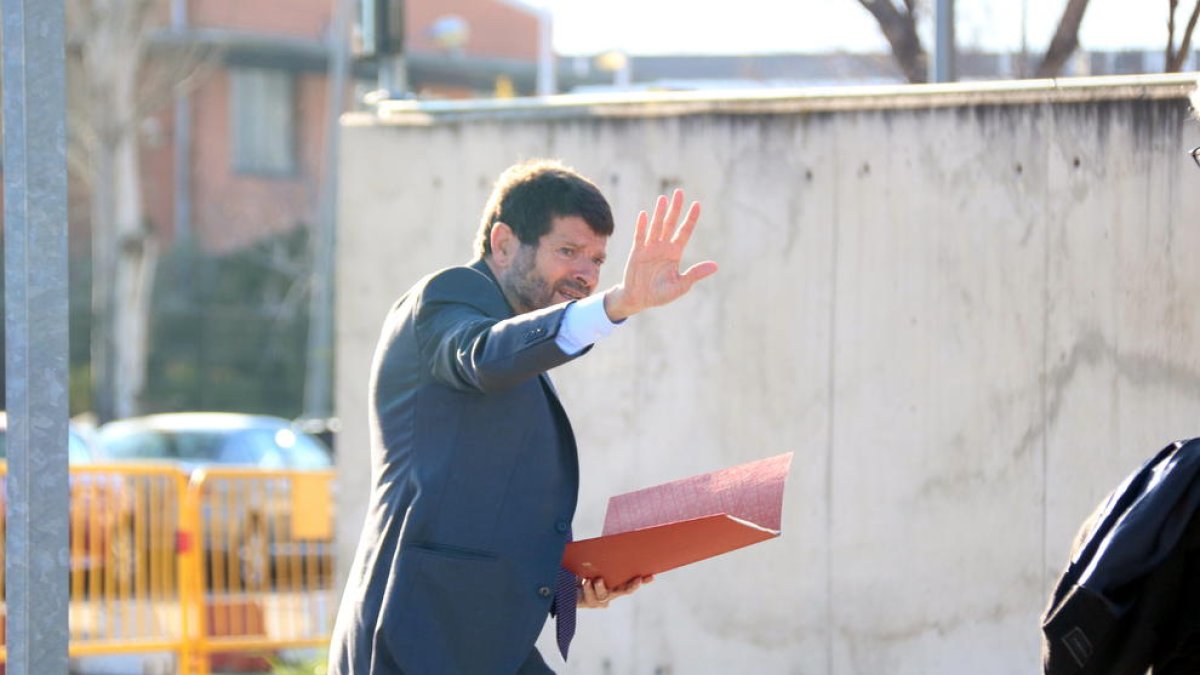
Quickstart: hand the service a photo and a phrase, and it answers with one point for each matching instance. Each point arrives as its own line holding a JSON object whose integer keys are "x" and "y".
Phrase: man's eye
{"x": 569, "y": 252}
{"x": 598, "y": 261}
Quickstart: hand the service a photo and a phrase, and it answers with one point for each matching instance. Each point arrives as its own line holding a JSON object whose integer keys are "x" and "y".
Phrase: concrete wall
{"x": 968, "y": 312}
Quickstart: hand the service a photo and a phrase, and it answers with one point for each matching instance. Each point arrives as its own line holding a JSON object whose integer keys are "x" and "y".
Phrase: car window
{"x": 196, "y": 446}
{"x": 137, "y": 445}
{"x": 270, "y": 447}
{"x": 275, "y": 448}
{"x": 303, "y": 451}
{"x": 185, "y": 446}
{"x": 253, "y": 447}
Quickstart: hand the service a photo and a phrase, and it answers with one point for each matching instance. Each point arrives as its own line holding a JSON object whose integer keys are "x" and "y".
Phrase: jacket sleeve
{"x": 469, "y": 349}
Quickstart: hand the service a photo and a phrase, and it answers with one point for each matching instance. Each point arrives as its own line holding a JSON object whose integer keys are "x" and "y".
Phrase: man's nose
{"x": 588, "y": 274}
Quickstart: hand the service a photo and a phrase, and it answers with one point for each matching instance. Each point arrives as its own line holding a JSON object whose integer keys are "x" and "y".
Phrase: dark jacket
{"x": 1120, "y": 604}
{"x": 475, "y": 480}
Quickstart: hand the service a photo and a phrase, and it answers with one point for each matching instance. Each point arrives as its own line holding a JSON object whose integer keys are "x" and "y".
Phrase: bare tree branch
{"x": 1186, "y": 45}
{"x": 900, "y": 29}
{"x": 898, "y": 22}
{"x": 1170, "y": 55}
{"x": 1066, "y": 39}
{"x": 1176, "y": 57}
{"x": 174, "y": 71}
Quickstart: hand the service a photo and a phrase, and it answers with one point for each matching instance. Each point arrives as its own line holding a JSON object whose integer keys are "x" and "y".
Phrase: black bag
{"x": 1130, "y": 597}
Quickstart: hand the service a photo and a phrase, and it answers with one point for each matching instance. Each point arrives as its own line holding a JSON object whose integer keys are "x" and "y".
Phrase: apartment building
{"x": 240, "y": 156}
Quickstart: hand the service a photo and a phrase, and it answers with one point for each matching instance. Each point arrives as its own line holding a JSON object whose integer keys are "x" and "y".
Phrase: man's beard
{"x": 528, "y": 289}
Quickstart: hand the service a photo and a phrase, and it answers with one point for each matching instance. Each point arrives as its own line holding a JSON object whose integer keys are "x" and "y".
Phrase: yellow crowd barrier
{"x": 221, "y": 561}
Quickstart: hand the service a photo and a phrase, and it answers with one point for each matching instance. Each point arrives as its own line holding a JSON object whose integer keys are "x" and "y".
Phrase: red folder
{"x": 678, "y": 523}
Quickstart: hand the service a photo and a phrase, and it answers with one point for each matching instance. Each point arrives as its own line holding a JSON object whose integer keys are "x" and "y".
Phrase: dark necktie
{"x": 564, "y": 609}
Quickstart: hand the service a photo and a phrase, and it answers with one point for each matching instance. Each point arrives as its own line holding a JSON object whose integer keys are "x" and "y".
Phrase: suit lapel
{"x": 481, "y": 266}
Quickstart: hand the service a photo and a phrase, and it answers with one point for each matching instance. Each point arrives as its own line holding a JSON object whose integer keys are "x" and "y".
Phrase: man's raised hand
{"x": 652, "y": 276}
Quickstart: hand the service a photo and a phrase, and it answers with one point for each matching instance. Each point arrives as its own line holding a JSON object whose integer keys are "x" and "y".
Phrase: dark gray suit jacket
{"x": 475, "y": 479}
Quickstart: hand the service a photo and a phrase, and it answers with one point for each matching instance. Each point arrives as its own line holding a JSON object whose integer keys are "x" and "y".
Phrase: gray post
{"x": 183, "y": 141}
{"x": 318, "y": 399}
{"x": 393, "y": 69}
{"x": 1023, "y": 70}
{"x": 546, "y": 80}
{"x": 944, "y": 47}
{"x": 35, "y": 276}
{"x": 393, "y": 76}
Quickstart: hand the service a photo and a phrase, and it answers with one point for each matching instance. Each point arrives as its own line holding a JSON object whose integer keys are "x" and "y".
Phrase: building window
{"x": 264, "y": 121}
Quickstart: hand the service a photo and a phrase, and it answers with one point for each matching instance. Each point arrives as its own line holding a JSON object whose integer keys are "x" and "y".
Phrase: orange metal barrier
{"x": 124, "y": 581}
{"x": 226, "y": 561}
{"x": 264, "y": 563}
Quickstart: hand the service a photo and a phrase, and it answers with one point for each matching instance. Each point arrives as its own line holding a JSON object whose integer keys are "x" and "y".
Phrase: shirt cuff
{"x": 584, "y": 323}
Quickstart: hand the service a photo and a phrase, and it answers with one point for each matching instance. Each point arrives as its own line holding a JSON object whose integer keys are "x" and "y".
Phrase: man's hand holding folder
{"x": 674, "y": 524}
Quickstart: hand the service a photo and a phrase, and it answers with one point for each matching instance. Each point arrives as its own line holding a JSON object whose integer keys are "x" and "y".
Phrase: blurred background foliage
{"x": 228, "y": 330}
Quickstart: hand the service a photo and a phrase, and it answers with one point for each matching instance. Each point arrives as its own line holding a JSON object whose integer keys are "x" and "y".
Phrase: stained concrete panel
{"x": 965, "y": 310}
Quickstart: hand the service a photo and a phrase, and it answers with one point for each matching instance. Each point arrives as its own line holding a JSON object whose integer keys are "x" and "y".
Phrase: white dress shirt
{"x": 585, "y": 323}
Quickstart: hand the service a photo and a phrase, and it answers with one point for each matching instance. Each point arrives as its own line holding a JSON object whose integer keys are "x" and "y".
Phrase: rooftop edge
{"x": 781, "y": 101}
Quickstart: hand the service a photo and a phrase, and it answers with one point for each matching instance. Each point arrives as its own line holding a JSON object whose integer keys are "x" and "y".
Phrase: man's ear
{"x": 504, "y": 244}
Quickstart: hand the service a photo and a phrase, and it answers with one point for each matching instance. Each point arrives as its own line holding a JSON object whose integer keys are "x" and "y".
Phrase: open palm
{"x": 652, "y": 276}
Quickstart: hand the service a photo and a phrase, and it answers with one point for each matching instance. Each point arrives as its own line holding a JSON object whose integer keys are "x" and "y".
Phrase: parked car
{"x": 247, "y": 536}
{"x": 199, "y": 439}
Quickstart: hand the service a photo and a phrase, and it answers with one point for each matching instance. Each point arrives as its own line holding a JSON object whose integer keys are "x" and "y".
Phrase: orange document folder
{"x": 674, "y": 524}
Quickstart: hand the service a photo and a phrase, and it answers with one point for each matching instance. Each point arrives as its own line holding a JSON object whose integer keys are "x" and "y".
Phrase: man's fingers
{"x": 684, "y": 233}
{"x": 632, "y": 585}
{"x": 594, "y": 592}
{"x": 588, "y": 596}
{"x": 672, "y": 216}
{"x": 601, "y": 589}
{"x": 657, "y": 226}
{"x": 639, "y": 228}
{"x": 697, "y": 272}
{"x": 597, "y": 594}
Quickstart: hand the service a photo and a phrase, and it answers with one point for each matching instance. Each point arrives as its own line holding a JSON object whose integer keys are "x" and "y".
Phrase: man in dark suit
{"x": 474, "y": 467}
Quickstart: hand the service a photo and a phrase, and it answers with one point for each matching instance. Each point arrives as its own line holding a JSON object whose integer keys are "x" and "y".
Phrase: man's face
{"x": 565, "y": 265}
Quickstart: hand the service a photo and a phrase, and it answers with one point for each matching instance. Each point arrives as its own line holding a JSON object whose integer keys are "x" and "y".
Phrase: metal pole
{"x": 318, "y": 401}
{"x": 545, "y": 68}
{"x": 1023, "y": 70}
{"x": 393, "y": 75}
{"x": 35, "y": 276}
{"x": 623, "y": 78}
{"x": 183, "y": 142}
{"x": 944, "y": 47}
{"x": 393, "y": 70}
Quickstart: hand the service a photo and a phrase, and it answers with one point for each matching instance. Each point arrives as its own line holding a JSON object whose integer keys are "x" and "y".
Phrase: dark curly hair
{"x": 528, "y": 195}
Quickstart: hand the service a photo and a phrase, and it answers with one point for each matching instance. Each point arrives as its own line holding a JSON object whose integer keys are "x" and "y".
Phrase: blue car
{"x": 252, "y": 465}
{"x": 198, "y": 439}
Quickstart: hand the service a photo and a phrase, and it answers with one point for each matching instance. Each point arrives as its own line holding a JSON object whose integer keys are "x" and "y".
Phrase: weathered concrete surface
{"x": 969, "y": 312}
